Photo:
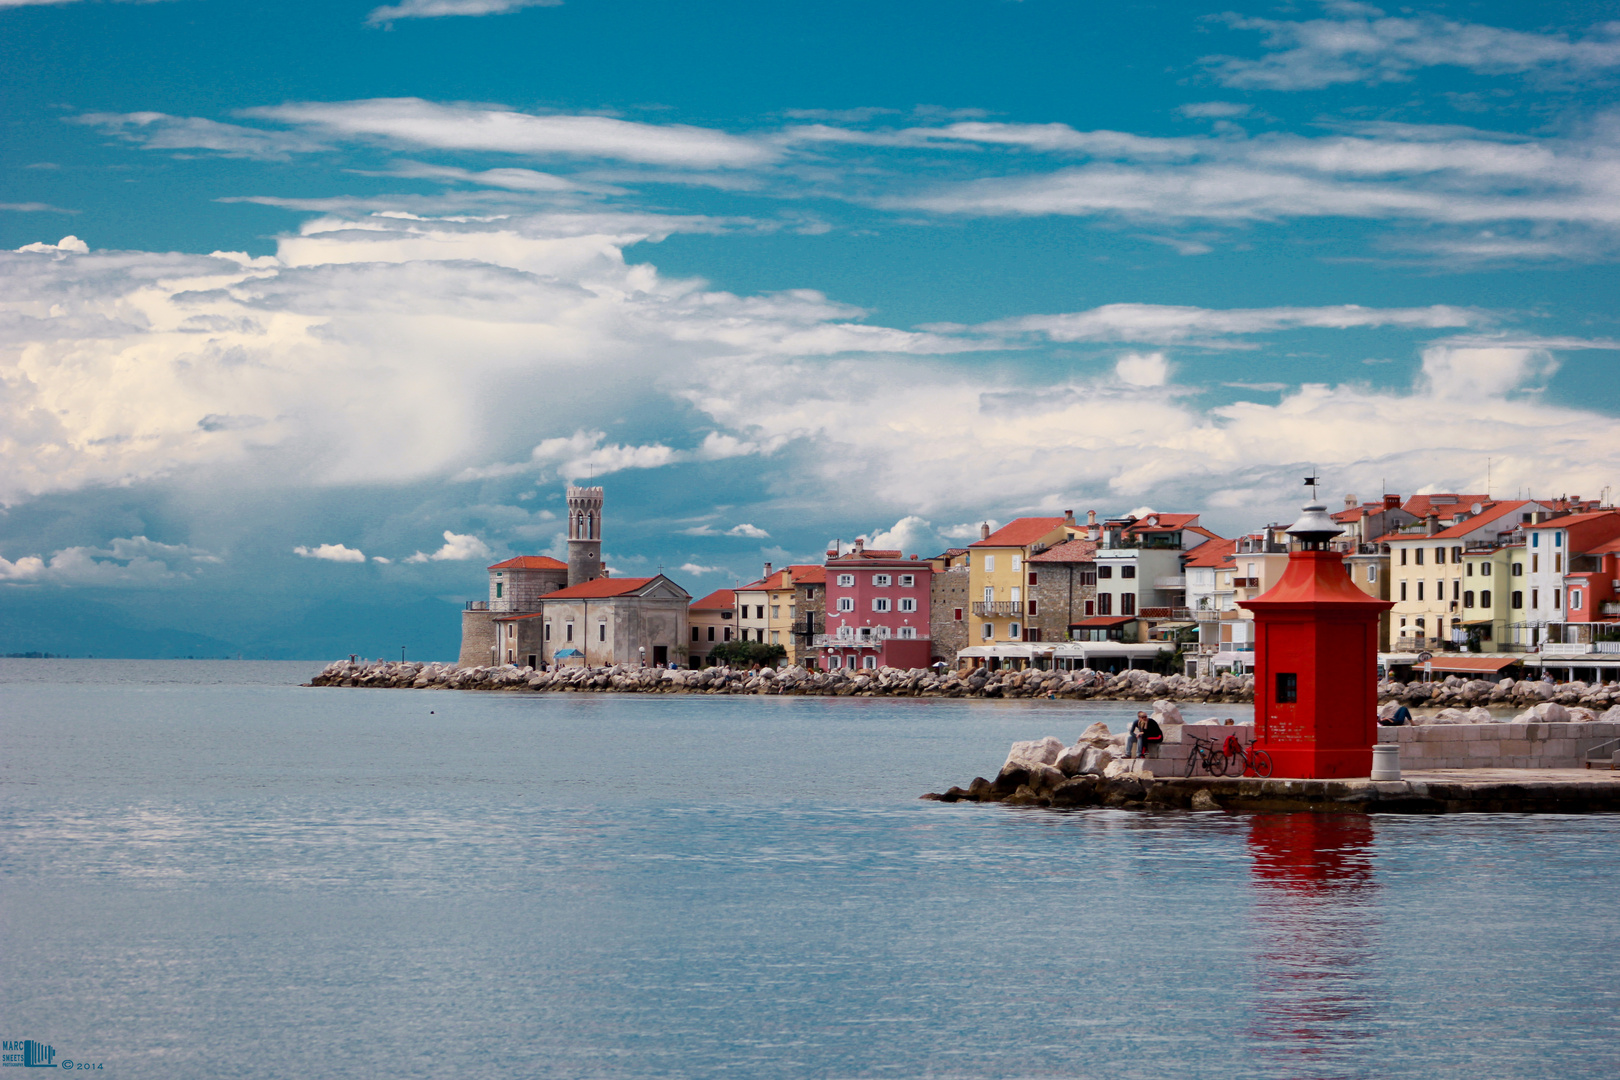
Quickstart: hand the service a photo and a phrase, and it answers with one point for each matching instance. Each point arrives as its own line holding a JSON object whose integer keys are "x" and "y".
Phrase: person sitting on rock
{"x": 1400, "y": 718}
{"x": 1144, "y": 732}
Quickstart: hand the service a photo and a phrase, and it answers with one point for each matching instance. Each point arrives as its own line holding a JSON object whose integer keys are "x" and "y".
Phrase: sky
{"x": 310, "y": 311}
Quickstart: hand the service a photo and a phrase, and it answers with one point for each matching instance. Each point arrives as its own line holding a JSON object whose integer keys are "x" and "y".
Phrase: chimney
{"x": 1392, "y": 502}
{"x": 1349, "y": 502}
{"x": 1068, "y": 517}
{"x": 860, "y": 545}
{"x": 605, "y": 572}
{"x": 984, "y": 530}
{"x": 767, "y": 572}
{"x": 1431, "y": 524}
{"x": 1092, "y": 530}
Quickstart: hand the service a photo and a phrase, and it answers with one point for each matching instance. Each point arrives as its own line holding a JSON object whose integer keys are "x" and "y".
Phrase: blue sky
{"x": 352, "y": 291}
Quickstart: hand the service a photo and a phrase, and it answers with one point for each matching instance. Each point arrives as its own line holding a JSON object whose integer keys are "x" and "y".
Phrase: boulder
{"x": 1449, "y": 716}
{"x": 1081, "y": 791}
{"x": 1612, "y": 716}
{"x": 1386, "y": 711}
{"x": 1097, "y": 734}
{"x": 1203, "y": 800}
{"x": 1166, "y": 712}
{"x": 1479, "y": 715}
{"x": 1547, "y": 712}
{"x": 1040, "y": 751}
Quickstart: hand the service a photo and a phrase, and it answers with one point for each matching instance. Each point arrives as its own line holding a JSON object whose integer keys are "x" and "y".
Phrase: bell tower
{"x": 584, "y": 534}
{"x": 1316, "y": 660}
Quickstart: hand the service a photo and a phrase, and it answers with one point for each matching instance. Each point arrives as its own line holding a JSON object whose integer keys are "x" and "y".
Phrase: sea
{"x": 208, "y": 870}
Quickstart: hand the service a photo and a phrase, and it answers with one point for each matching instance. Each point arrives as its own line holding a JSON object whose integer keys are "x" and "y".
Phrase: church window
{"x": 601, "y": 631}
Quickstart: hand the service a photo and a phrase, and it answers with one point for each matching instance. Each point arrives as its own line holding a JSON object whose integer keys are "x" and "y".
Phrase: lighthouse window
{"x": 1287, "y": 688}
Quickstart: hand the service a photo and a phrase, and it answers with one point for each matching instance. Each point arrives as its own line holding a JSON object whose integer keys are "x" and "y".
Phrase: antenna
{"x": 1487, "y": 478}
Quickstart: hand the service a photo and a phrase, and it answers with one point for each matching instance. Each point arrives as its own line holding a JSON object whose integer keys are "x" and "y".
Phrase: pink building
{"x": 877, "y": 610}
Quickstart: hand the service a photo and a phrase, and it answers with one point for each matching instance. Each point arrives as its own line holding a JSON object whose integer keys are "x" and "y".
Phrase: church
{"x": 542, "y": 612}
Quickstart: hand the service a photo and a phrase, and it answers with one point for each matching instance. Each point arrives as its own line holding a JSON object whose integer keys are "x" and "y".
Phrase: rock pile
{"x": 1135, "y": 685}
{"x": 1453, "y": 693}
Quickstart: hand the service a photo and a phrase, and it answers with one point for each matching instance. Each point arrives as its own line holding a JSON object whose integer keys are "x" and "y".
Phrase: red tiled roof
{"x": 719, "y": 600}
{"x": 1491, "y": 512}
{"x": 1574, "y": 519}
{"x": 1605, "y": 549}
{"x": 602, "y": 586}
{"x": 1020, "y": 533}
{"x": 530, "y": 562}
{"x": 1211, "y": 553}
{"x": 1163, "y": 523}
{"x": 1420, "y": 505}
{"x": 517, "y": 618}
{"x": 1070, "y": 551}
{"x": 809, "y": 575}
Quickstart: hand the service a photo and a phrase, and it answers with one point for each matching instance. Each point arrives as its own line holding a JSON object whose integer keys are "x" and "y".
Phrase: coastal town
{"x": 1480, "y": 588}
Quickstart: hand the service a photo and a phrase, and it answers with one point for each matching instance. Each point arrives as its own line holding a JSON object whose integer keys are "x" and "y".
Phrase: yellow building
{"x": 767, "y": 609}
{"x": 1456, "y": 587}
{"x": 998, "y": 579}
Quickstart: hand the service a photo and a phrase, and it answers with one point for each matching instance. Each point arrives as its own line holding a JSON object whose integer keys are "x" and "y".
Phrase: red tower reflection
{"x": 1314, "y": 998}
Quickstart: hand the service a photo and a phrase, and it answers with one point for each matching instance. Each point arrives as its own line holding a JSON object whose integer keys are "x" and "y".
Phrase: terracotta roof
{"x": 869, "y": 553}
{"x": 517, "y": 618}
{"x": 1605, "y": 549}
{"x": 1574, "y": 519}
{"x": 1492, "y": 512}
{"x": 1070, "y": 551}
{"x": 777, "y": 580}
{"x": 602, "y": 586}
{"x": 1164, "y": 523}
{"x": 719, "y": 600}
{"x": 530, "y": 562}
{"x": 809, "y": 575}
{"x": 1420, "y": 505}
{"x": 1211, "y": 553}
{"x": 1020, "y": 533}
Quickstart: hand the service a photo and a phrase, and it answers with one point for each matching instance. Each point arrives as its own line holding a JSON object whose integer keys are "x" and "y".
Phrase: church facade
{"x": 541, "y": 611}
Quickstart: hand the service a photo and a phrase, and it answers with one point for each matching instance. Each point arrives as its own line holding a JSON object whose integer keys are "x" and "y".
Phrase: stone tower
{"x": 584, "y": 534}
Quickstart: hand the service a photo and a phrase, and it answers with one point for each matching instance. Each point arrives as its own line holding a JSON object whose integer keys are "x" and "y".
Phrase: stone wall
{"x": 949, "y": 591}
{"x": 1060, "y": 598}
{"x": 1498, "y": 746}
{"x": 477, "y": 638}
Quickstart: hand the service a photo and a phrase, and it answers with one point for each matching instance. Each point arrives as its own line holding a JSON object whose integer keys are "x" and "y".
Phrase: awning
{"x": 1173, "y": 625}
{"x": 566, "y": 653}
{"x": 1102, "y": 622}
{"x": 1477, "y": 622}
{"x": 1475, "y": 664}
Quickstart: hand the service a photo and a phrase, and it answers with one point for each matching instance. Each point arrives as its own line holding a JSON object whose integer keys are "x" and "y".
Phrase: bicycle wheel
{"x": 1260, "y": 762}
{"x": 1192, "y": 763}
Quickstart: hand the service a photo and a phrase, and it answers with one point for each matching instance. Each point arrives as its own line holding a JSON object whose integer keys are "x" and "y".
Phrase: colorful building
{"x": 767, "y": 609}
{"x": 1455, "y": 587}
{"x": 998, "y": 581}
{"x": 948, "y": 604}
{"x": 713, "y": 621}
{"x": 878, "y": 610}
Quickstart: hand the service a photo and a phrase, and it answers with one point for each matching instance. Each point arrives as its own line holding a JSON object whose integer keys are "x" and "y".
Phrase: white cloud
{"x": 415, "y": 122}
{"x": 1173, "y": 324}
{"x": 1214, "y": 109}
{"x": 331, "y": 553}
{"x": 381, "y": 559}
{"x": 434, "y": 9}
{"x": 1143, "y": 369}
{"x": 1364, "y": 45}
{"x": 584, "y": 454}
{"x": 752, "y": 532}
{"x": 160, "y": 131}
{"x": 910, "y": 535}
{"x": 696, "y": 570}
{"x": 126, "y": 561}
{"x": 457, "y": 548}
{"x": 68, "y": 245}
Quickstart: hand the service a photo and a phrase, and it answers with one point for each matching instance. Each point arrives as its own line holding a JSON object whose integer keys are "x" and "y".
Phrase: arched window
{"x": 1468, "y": 598}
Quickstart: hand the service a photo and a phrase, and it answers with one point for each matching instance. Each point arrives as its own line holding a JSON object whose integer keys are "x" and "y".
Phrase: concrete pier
{"x": 1436, "y": 791}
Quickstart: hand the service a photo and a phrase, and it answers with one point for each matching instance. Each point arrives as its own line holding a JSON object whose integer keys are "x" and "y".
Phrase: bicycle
{"x": 1245, "y": 758}
{"x": 1205, "y": 752}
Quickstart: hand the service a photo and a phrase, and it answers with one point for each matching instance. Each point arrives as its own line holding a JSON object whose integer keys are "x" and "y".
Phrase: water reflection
{"x": 1315, "y": 999}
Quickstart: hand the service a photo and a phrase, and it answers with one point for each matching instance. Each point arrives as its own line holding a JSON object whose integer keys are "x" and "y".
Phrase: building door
{"x": 660, "y": 655}
{"x": 531, "y": 661}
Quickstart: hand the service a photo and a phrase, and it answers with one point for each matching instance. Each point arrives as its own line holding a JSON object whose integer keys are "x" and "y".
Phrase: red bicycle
{"x": 1246, "y": 758}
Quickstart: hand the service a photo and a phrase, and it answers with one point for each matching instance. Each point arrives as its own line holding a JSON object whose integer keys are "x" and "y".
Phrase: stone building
{"x": 809, "y": 608}
{"x": 601, "y": 622}
{"x": 1062, "y": 589}
{"x": 542, "y": 611}
{"x": 948, "y": 614}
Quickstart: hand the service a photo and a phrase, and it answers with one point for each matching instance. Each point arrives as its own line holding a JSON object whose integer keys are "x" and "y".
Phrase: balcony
{"x": 1165, "y": 613}
{"x": 802, "y": 627}
{"x": 999, "y": 609}
{"x": 1609, "y": 607}
{"x": 478, "y": 605}
{"x": 1177, "y": 581}
{"x": 1245, "y": 583}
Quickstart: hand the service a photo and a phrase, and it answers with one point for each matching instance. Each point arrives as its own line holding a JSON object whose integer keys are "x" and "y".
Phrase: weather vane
{"x": 1311, "y": 481}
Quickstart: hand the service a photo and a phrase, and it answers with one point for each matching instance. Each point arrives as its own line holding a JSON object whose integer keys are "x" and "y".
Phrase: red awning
{"x": 1102, "y": 621}
{"x": 1475, "y": 664}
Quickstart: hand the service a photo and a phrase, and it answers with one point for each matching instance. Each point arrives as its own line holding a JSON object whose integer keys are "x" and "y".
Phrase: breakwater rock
{"x": 1458, "y": 693}
{"x": 1135, "y": 685}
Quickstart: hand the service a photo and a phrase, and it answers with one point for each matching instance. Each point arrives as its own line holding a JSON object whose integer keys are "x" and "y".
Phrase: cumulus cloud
{"x": 752, "y": 532}
{"x": 126, "y": 561}
{"x": 435, "y": 9}
{"x": 1143, "y": 369}
{"x": 697, "y": 570}
{"x": 331, "y": 553}
{"x": 457, "y": 548}
{"x": 910, "y": 535}
{"x": 1361, "y": 44}
{"x": 68, "y": 245}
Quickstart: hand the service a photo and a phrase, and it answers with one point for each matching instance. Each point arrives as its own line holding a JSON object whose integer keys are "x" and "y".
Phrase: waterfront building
{"x": 1062, "y": 589}
{"x": 1556, "y": 549}
{"x": 878, "y": 610}
{"x": 1139, "y": 571}
{"x": 1212, "y": 600}
{"x": 515, "y": 586}
{"x": 767, "y": 609}
{"x": 997, "y": 578}
{"x": 608, "y": 620}
{"x": 713, "y": 621}
{"x": 1365, "y": 552}
{"x": 809, "y": 610}
{"x": 1432, "y": 568}
{"x": 948, "y": 620}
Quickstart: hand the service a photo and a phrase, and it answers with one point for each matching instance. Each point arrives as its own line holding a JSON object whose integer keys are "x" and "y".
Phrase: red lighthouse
{"x": 1316, "y": 661}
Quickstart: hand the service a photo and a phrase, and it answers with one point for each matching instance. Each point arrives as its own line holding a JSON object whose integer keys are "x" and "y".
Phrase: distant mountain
{"x": 58, "y": 622}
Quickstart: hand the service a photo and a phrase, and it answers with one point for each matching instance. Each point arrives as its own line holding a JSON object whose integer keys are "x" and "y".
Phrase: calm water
{"x": 206, "y": 871}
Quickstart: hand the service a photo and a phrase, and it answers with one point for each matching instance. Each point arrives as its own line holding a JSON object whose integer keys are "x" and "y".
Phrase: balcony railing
{"x": 1245, "y": 583}
{"x": 1177, "y": 581}
{"x": 806, "y": 626}
{"x": 1164, "y": 613}
{"x": 478, "y": 605}
{"x": 999, "y": 609}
